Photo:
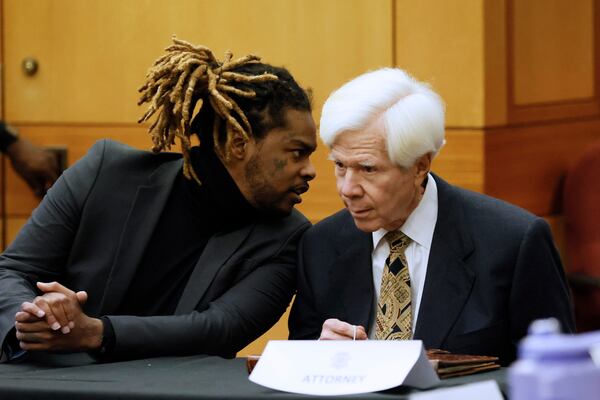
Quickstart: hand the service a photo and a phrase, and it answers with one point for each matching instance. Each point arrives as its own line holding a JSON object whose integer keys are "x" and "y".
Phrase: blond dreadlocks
{"x": 188, "y": 76}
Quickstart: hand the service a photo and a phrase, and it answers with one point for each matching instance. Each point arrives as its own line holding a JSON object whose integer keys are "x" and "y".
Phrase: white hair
{"x": 413, "y": 114}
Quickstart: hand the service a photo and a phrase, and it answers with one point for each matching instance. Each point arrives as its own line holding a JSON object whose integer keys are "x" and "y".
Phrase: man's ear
{"x": 238, "y": 147}
{"x": 422, "y": 167}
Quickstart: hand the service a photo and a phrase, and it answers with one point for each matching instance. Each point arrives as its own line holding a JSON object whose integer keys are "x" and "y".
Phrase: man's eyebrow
{"x": 308, "y": 146}
{"x": 361, "y": 163}
{"x": 367, "y": 163}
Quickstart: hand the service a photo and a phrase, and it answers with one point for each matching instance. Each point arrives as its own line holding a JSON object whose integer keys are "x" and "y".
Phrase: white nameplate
{"x": 335, "y": 367}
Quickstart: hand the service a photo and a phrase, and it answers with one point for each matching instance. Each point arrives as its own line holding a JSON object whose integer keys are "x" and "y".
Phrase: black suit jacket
{"x": 90, "y": 233}
{"x": 493, "y": 268}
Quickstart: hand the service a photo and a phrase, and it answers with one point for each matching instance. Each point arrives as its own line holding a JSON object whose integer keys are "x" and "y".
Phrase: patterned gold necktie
{"x": 394, "y": 315}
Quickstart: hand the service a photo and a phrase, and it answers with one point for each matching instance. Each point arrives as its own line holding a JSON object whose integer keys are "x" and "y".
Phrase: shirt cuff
{"x": 108, "y": 340}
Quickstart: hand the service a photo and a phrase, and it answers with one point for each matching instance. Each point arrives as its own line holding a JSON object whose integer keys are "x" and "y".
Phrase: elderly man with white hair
{"x": 411, "y": 256}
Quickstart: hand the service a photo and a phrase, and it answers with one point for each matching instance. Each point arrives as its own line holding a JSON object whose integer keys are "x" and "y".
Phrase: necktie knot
{"x": 398, "y": 241}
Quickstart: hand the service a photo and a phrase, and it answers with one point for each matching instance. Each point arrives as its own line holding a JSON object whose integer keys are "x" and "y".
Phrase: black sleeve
{"x": 304, "y": 322}
{"x": 539, "y": 288}
{"x": 6, "y": 138}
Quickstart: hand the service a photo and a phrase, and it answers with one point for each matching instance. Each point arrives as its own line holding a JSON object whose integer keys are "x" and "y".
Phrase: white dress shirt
{"x": 419, "y": 227}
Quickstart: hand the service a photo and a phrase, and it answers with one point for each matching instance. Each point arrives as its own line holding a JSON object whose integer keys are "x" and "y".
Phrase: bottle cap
{"x": 544, "y": 342}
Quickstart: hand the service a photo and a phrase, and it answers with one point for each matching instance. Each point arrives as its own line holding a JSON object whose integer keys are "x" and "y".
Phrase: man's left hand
{"x": 34, "y": 331}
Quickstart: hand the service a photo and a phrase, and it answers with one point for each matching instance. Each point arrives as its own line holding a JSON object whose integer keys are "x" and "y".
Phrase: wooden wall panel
{"x": 553, "y": 54}
{"x": 495, "y": 63}
{"x": 553, "y": 43}
{"x": 93, "y": 55}
{"x": 526, "y": 165}
{"x": 461, "y": 160}
{"x": 13, "y": 225}
{"x": 441, "y": 42}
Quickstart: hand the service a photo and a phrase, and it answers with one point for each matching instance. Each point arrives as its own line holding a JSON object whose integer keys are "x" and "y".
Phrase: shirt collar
{"x": 420, "y": 224}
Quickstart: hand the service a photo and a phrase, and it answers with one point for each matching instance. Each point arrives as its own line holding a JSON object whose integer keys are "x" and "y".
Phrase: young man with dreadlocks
{"x": 159, "y": 254}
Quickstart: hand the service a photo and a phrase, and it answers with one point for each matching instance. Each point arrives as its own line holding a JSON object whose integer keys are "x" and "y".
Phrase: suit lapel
{"x": 449, "y": 279}
{"x": 218, "y": 250}
{"x": 351, "y": 276}
{"x": 144, "y": 213}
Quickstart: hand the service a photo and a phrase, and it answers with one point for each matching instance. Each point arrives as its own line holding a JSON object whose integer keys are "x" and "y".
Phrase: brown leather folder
{"x": 448, "y": 365}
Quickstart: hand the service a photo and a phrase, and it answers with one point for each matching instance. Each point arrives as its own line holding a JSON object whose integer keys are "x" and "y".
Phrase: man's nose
{"x": 308, "y": 172}
{"x": 350, "y": 184}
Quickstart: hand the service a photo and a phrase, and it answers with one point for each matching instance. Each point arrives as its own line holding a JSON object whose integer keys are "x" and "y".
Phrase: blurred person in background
{"x": 37, "y": 166}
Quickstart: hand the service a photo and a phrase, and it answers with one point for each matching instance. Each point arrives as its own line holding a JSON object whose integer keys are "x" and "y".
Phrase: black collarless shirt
{"x": 192, "y": 215}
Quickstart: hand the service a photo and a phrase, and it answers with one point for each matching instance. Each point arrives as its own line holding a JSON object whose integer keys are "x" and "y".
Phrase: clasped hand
{"x": 55, "y": 321}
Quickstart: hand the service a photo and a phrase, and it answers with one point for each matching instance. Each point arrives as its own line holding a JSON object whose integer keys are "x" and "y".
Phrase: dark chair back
{"x": 582, "y": 231}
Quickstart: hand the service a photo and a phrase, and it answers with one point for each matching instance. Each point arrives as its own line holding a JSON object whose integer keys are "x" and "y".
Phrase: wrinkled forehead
{"x": 359, "y": 146}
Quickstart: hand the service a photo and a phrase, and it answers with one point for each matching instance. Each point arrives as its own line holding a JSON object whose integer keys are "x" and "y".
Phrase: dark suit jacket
{"x": 90, "y": 233}
{"x": 493, "y": 268}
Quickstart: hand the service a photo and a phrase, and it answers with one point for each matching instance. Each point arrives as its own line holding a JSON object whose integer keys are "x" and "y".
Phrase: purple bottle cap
{"x": 544, "y": 342}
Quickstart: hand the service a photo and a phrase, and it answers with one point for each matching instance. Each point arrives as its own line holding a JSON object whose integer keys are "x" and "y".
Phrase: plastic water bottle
{"x": 555, "y": 366}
